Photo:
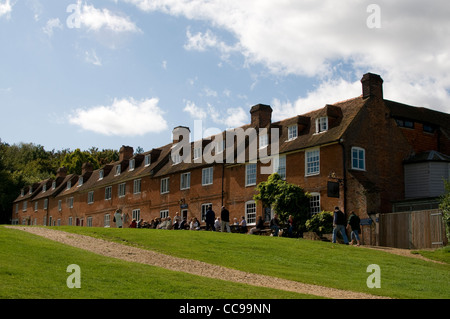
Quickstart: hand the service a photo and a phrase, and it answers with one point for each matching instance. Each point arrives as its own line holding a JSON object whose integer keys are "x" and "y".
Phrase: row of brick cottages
{"x": 354, "y": 154}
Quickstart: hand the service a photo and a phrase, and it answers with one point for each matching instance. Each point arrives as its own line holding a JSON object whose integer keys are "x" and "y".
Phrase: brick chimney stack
{"x": 61, "y": 172}
{"x": 372, "y": 85}
{"x": 179, "y": 132}
{"x": 261, "y": 115}
{"x": 87, "y": 167}
{"x": 125, "y": 153}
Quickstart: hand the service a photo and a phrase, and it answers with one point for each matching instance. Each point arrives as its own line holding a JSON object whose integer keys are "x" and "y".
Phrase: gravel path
{"x": 133, "y": 254}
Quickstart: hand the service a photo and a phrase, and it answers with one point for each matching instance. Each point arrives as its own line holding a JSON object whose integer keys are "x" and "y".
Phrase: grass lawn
{"x": 320, "y": 263}
{"x": 32, "y": 267}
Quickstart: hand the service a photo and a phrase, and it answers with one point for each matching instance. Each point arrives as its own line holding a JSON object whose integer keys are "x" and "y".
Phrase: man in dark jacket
{"x": 210, "y": 219}
{"x": 354, "y": 222}
{"x": 339, "y": 224}
{"x": 225, "y": 219}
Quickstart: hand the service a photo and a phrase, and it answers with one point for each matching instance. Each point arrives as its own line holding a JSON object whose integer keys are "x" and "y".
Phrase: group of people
{"x": 222, "y": 223}
{"x": 213, "y": 223}
{"x": 340, "y": 224}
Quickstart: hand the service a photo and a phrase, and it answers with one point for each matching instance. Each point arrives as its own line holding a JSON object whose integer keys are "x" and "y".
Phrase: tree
{"x": 285, "y": 199}
{"x": 74, "y": 161}
{"x": 445, "y": 207}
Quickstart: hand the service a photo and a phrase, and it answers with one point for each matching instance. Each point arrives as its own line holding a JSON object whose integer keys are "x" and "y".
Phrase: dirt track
{"x": 194, "y": 267}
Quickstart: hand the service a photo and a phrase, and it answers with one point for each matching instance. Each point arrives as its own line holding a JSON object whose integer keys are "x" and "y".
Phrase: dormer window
{"x": 131, "y": 168}
{"x": 101, "y": 174}
{"x": 80, "y": 181}
{"x": 44, "y": 188}
{"x": 69, "y": 184}
{"x": 53, "y": 184}
{"x": 321, "y": 124}
{"x": 148, "y": 160}
{"x": 220, "y": 146}
{"x": 176, "y": 158}
{"x": 197, "y": 152}
{"x": 118, "y": 170}
{"x": 263, "y": 140}
{"x": 31, "y": 190}
{"x": 22, "y": 192}
{"x": 292, "y": 132}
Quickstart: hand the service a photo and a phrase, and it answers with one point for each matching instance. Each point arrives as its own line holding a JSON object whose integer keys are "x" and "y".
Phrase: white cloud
{"x": 194, "y": 111}
{"x": 5, "y": 8}
{"x": 91, "y": 57}
{"x": 52, "y": 24}
{"x": 230, "y": 118}
{"x": 124, "y": 117}
{"x": 208, "y": 40}
{"x": 327, "y": 92}
{"x": 87, "y": 16}
{"x": 309, "y": 38}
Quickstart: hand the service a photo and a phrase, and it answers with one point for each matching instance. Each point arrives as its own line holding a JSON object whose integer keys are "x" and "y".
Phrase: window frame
{"x": 250, "y": 213}
{"x": 137, "y": 186}
{"x": 291, "y": 131}
{"x": 207, "y": 176}
{"x": 164, "y": 185}
{"x": 108, "y": 192}
{"x": 314, "y": 209}
{"x": 312, "y": 169}
{"x": 248, "y": 174}
{"x": 185, "y": 181}
{"x": 358, "y": 159}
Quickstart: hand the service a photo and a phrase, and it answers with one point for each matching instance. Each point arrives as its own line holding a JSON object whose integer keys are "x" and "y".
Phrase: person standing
{"x": 354, "y": 224}
{"x": 118, "y": 218}
{"x": 210, "y": 219}
{"x": 339, "y": 224}
{"x": 225, "y": 219}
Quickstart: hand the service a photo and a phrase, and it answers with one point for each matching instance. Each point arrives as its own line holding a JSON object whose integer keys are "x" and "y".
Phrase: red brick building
{"x": 350, "y": 154}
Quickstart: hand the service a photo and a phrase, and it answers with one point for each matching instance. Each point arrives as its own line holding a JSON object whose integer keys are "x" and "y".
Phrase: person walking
{"x": 339, "y": 224}
{"x": 225, "y": 220}
{"x": 354, "y": 224}
{"x": 210, "y": 219}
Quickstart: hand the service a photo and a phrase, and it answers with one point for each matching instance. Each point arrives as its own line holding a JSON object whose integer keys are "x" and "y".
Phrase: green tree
{"x": 74, "y": 161}
{"x": 445, "y": 207}
{"x": 285, "y": 199}
{"x": 321, "y": 223}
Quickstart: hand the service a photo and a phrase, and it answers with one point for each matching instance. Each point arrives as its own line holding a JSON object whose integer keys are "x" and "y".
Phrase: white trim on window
{"x": 250, "y": 212}
{"x": 312, "y": 162}
{"x": 185, "y": 180}
{"x": 250, "y": 174}
{"x": 358, "y": 158}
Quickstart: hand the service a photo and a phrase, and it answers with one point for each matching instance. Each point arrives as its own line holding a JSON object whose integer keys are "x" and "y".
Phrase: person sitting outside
{"x": 275, "y": 225}
{"x": 259, "y": 226}
{"x": 243, "y": 225}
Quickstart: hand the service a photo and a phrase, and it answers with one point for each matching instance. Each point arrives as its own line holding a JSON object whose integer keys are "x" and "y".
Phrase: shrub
{"x": 321, "y": 223}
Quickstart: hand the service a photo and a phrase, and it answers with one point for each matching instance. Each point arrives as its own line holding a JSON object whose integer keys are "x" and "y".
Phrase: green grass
{"x": 441, "y": 254}
{"x": 32, "y": 267}
{"x": 319, "y": 263}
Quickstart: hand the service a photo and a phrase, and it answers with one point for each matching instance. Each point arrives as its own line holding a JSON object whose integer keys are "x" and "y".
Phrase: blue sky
{"x": 107, "y": 73}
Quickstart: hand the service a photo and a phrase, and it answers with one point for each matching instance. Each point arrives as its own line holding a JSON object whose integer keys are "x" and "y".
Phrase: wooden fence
{"x": 412, "y": 230}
